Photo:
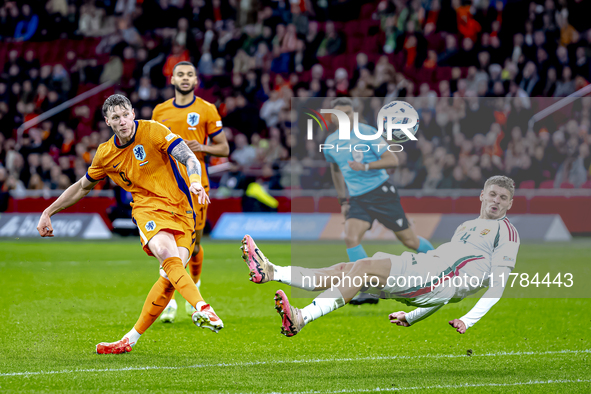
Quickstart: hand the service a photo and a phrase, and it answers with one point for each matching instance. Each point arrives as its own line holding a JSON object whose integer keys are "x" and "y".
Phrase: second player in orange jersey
{"x": 196, "y": 121}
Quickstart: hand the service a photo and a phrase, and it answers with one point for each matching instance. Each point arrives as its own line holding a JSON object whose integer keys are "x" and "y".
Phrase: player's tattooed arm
{"x": 184, "y": 155}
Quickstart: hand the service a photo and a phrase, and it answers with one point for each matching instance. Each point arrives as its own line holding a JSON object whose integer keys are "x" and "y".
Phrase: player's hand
{"x": 199, "y": 191}
{"x": 399, "y": 318}
{"x": 356, "y": 166}
{"x": 458, "y": 325}
{"x": 44, "y": 226}
{"x": 195, "y": 146}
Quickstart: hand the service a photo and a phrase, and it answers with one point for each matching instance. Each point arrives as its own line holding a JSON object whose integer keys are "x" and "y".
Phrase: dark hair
{"x": 183, "y": 63}
{"x": 114, "y": 101}
{"x": 342, "y": 101}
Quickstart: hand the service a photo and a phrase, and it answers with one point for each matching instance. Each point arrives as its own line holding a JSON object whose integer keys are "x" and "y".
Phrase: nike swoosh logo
{"x": 177, "y": 282}
{"x": 164, "y": 120}
{"x": 156, "y": 304}
{"x": 116, "y": 165}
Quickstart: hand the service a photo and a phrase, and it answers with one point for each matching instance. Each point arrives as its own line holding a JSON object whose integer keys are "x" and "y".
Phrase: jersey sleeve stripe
{"x": 182, "y": 184}
{"x": 173, "y": 145}
{"x": 515, "y": 232}
{"x": 216, "y": 133}
{"x": 511, "y": 231}
{"x": 92, "y": 179}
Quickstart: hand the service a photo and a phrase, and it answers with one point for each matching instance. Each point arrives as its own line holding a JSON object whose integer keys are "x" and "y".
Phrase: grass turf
{"x": 60, "y": 299}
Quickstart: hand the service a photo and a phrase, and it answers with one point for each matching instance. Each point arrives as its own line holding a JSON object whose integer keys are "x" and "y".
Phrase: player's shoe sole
{"x": 168, "y": 315}
{"x": 289, "y": 326}
{"x": 364, "y": 298}
{"x": 206, "y": 318}
{"x": 258, "y": 264}
{"x": 118, "y": 347}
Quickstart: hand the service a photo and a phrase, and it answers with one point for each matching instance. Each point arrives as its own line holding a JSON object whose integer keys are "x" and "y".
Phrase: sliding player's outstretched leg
{"x": 261, "y": 269}
{"x": 375, "y": 270}
{"x": 292, "y": 320}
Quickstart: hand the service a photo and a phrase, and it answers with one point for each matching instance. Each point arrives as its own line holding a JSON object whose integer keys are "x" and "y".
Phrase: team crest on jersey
{"x": 358, "y": 156}
{"x": 193, "y": 119}
{"x": 150, "y": 225}
{"x": 484, "y": 232}
{"x": 139, "y": 152}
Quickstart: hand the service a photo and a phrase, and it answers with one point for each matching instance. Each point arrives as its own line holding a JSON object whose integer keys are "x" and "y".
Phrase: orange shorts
{"x": 200, "y": 214}
{"x": 150, "y": 223}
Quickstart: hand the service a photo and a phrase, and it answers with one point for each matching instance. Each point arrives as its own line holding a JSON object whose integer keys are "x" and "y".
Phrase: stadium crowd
{"x": 472, "y": 68}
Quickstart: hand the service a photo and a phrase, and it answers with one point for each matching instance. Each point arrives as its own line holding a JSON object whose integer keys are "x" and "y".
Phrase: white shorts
{"x": 412, "y": 285}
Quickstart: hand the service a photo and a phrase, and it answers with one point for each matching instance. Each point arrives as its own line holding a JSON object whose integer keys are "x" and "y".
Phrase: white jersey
{"x": 476, "y": 248}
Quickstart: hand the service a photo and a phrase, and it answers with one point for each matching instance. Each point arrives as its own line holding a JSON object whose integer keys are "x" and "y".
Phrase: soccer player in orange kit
{"x": 195, "y": 120}
{"x": 144, "y": 158}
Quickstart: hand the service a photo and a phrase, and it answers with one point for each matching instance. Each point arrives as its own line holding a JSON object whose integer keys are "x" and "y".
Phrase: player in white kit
{"x": 481, "y": 254}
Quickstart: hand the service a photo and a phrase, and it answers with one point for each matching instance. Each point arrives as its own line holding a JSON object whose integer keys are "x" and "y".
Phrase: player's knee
{"x": 351, "y": 240}
{"x": 344, "y": 267}
{"x": 162, "y": 252}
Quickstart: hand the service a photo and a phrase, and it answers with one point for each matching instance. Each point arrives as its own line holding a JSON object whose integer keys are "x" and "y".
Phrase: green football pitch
{"x": 59, "y": 299}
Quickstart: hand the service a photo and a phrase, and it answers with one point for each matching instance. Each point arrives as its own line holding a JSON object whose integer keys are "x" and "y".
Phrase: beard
{"x": 191, "y": 90}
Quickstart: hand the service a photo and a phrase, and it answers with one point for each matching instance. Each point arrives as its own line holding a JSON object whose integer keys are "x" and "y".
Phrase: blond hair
{"x": 502, "y": 181}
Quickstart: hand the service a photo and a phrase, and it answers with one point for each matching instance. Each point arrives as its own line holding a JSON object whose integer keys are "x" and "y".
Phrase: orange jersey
{"x": 145, "y": 168}
{"x": 195, "y": 121}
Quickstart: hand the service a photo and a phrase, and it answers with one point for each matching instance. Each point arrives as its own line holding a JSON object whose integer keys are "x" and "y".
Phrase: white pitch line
{"x": 441, "y": 386}
{"x": 328, "y": 360}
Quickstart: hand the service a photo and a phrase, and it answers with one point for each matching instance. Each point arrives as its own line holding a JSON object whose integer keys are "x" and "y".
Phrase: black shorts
{"x": 381, "y": 204}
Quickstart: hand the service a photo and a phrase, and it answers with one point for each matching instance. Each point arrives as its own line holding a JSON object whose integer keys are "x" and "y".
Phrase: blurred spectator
{"x": 573, "y": 170}
{"x": 565, "y": 86}
{"x": 244, "y": 154}
{"x": 271, "y": 108}
{"x": 332, "y": 43}
{"x": 27, "y": 25}
{"x": 113, "y": 70}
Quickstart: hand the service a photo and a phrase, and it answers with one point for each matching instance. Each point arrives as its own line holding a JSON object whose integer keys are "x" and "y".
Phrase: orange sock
{"x": 195, "y": 265}
{"x": 157, "y": 299}
{"x": 181, "y": 281}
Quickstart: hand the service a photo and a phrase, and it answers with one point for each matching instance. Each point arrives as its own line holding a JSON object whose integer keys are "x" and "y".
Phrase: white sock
{"x": 133, "y": 336}
{"x": 172, "y": 304}
{"x": 282, "y": 274}
{"x": 325, "y": 303}
{"x": 200, "y": 304}
{"x": 198, "y": 284}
